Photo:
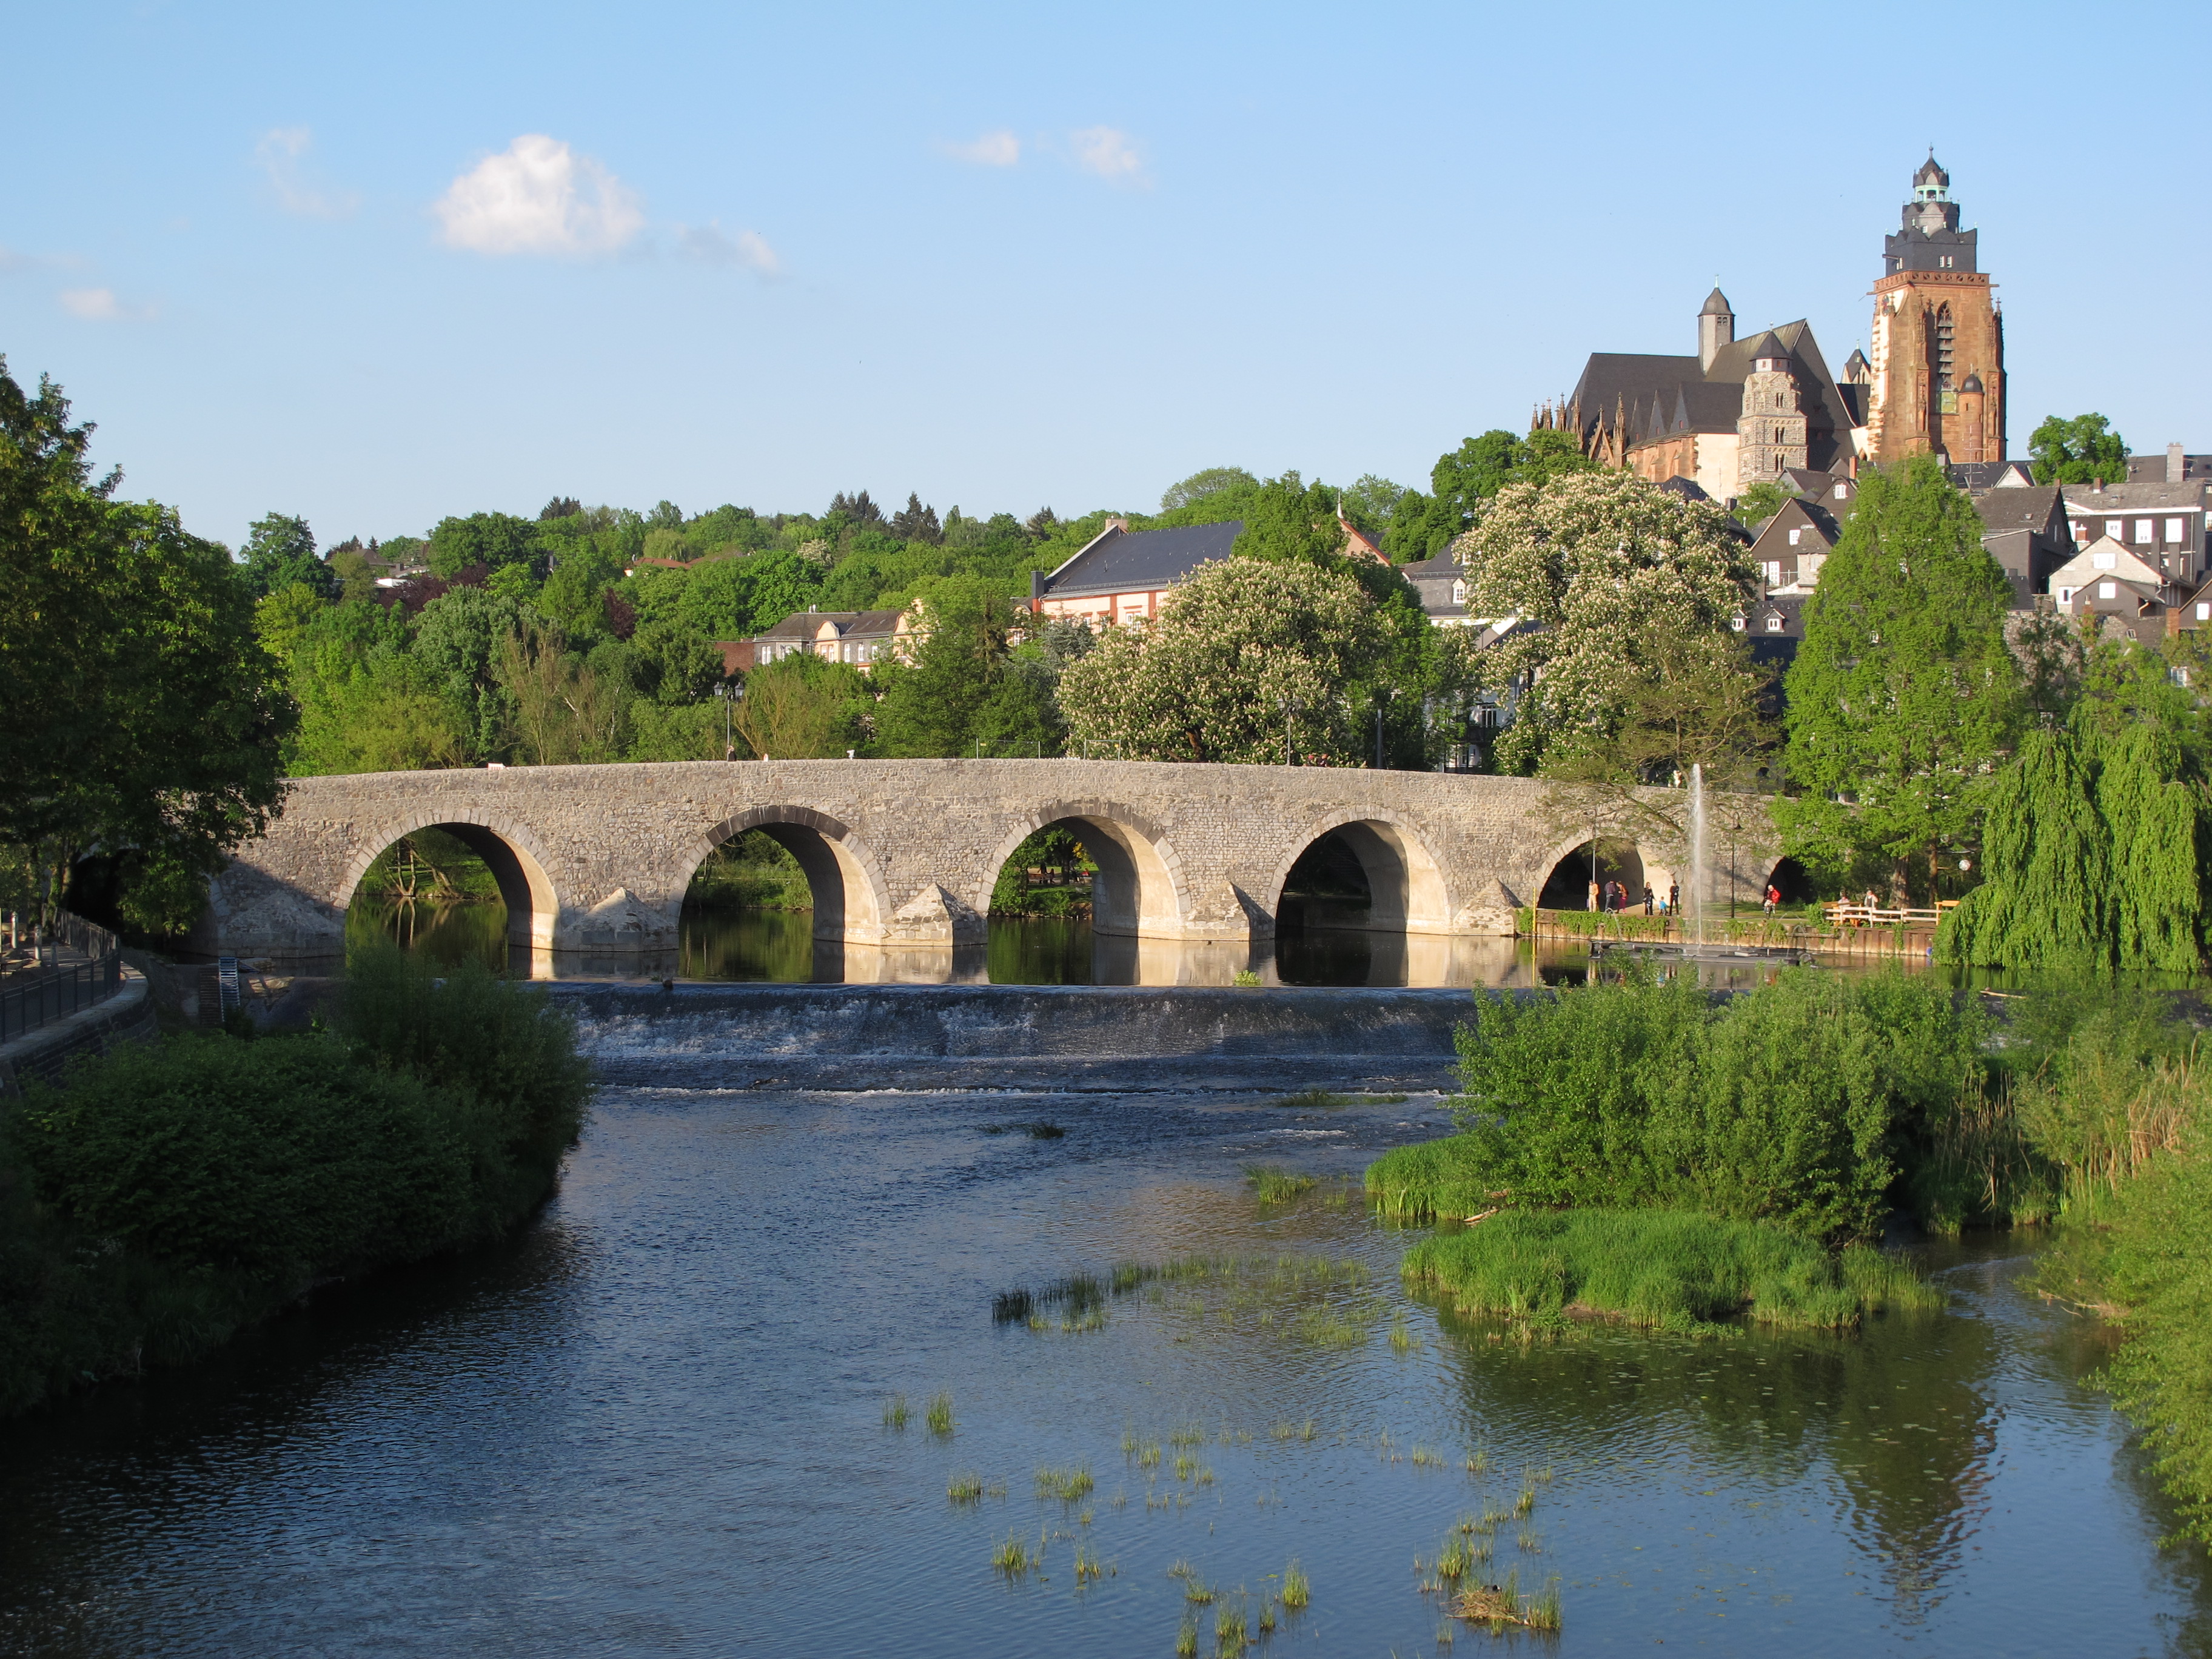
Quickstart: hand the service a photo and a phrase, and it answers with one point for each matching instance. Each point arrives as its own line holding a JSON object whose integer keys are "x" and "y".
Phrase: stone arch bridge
{"x": 594, "y": 860}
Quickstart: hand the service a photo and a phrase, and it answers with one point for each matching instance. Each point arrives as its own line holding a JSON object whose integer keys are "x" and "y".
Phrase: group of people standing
{"x": 1612, "y": 897}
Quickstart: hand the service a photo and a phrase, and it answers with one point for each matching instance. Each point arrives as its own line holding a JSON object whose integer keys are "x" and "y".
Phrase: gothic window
{"x": 1943, "y": 347}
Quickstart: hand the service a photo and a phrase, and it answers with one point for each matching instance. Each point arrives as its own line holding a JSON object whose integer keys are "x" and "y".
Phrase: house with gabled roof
{"x": 1121, "y": 575}
{"x": 2105, "y": 580}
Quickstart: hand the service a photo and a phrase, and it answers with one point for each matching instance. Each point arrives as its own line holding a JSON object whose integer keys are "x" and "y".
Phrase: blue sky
{"x": 379, "y": 265}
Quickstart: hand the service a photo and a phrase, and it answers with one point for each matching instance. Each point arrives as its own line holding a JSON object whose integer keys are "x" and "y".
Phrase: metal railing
{"x": 55, "y": 990}
{"x": 56, "y": 994}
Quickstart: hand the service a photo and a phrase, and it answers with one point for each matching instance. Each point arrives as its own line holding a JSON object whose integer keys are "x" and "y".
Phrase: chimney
{"x": 1122, "y": 525}
{"x": 2177, "y": 468}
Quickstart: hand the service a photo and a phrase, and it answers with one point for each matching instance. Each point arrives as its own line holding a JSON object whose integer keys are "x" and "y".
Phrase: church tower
{"x": 1938, "y": 349}
{"x": 1770, "y": 432}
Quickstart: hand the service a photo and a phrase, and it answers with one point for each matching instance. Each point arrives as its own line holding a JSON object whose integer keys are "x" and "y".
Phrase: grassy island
{"x": 171, "y": 1195}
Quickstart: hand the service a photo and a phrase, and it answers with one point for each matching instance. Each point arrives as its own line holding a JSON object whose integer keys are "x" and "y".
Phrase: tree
{"x": 2084, "y": 450}
{"x": 1369, "y": 501}
{"x": 561, "y": 506}
{"x": 279, "y": 551}
{"x": 916, "y": 523}
{"x": 460, "y": 637}
{"x": 856, "y": 508}
{"x": 1621, "y": 587}
{"x": 491, "y": 540}
{"x": 1211, "y": 677}
{"x": 2090, "y": 852}
{"x": 142, "y": 712}
{"x": 1422, "y": 526}
{"x": 1290, "y": 518}
{"x": 801, "y": 707}
{"x": 1206, "y": 481}
{"x": 1762, "y": 500}
{"x": 938, "y": 702}
{"x": 1902, "y": 700}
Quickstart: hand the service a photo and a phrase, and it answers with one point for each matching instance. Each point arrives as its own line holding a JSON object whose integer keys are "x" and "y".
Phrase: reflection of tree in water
{"x": 1902, "y": 1412}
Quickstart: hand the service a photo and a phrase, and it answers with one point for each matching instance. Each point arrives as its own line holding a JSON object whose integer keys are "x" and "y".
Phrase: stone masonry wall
{"x": 600, "y": 855}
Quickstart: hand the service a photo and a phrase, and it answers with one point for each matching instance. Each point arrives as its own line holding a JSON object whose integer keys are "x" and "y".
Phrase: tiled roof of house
{"x": 807, "y": 624}
{"x": 2036, "y": 507}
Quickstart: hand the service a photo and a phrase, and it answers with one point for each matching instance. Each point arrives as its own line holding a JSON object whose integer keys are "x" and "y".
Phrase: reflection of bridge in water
{"x": 1193, "y": 862}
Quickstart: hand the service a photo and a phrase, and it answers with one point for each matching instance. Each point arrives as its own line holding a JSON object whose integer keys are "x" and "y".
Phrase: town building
{"x": 2026, "y": 531}
{"x": 1121, "y": 575}
{"x": 2163, "y": 524}
{"x": 1744, "y": 410}
{"x": 2108, "y": 580}
{"x": 1936, "y": 374}
{"x": 861, "y": 638}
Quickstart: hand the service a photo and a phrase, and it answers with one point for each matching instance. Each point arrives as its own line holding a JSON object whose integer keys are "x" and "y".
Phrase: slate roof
{"x": 1138, "y": 562}
{"x": 1687, "y": 397}
{"x": 1991, "y": 474}
{"x": 2037, "y": 507}
{"x": 807, "y": 624}
{"x": 2117, "y": 498}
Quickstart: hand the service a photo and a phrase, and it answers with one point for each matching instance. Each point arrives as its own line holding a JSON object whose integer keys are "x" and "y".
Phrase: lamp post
{"x": 1382, "y": 699}
{"x": 1290, "y": 708}
{"x": 729, "y": 691}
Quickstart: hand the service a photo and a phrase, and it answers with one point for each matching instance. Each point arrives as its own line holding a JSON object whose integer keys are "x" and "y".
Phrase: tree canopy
{"x": 1422, "y": 526}
{"x": 2083, "y": 450}
{"x": 1625, "y": 590}
{"x": 144, "y": 714}
{"x": 1903, "y": 699}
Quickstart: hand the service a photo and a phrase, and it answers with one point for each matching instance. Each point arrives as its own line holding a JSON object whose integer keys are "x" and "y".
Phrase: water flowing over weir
{"x": 1096, "y": 1039}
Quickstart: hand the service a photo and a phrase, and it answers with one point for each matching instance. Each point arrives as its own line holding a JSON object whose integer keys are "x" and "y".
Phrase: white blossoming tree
{"x": 1624, "y": 587}
{"x": 1209, "y": 677}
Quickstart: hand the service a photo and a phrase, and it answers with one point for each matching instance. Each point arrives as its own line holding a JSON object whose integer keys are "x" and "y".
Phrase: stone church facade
{"x": 1741, "y": 412}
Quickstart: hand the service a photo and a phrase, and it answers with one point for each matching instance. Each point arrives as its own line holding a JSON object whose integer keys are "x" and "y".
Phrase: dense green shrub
{"x": 170, "y": 1195}
{"x": 1791, "y": 1104}
{"x": 282, "y": 1159}
{"x": 1659, "y": 1268}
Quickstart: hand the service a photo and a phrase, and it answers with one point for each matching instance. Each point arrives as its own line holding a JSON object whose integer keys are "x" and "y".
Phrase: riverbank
{"x": 168, "y": 1196}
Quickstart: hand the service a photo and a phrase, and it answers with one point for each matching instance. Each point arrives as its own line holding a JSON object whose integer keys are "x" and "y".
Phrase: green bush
{"x": 1664, "y": 1268}
{"x": 1791, "y": 1104}
{"x": 170, "y": 1195}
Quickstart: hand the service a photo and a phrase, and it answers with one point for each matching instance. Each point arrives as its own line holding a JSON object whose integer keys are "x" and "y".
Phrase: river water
{"x": 654, "y": 1421}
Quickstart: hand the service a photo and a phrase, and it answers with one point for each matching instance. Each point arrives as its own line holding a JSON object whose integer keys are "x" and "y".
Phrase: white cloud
{"x": 279, "y": 152}
{"x": 1107, "y": 152}
{"x": 537, "y": 196}
{"x": 100, "y": 305}
{"x": 993, "y": 149}
{"x": 710, "y": 244}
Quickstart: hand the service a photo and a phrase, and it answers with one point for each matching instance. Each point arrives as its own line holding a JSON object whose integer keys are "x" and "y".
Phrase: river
{"x": 654, "y": 1421}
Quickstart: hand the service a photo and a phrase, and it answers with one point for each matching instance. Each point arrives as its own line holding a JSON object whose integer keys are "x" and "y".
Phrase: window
{"x": 2204, "y": 611}
{"x": 1736, "y": 622}
{"x": 2065, "y": 596}
{"x": 2108, "y": 590}
{"x": 2105, "y": 561}
{"x": 2177, "y": 529}
{"x": 2115, "y": 529}
{"x": 1843, "y": 492}
{"x": 1459, "y": 593}
{"x": 1774, "y": 622}
{"x": 1943, "y": 345}
{"x": 1774, "y": 567}
{"x": 2143, "y": 527}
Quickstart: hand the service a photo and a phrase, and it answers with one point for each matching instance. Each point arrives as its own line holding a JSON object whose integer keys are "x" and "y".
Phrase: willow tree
{"x": 1902, "y": 700}
{"x": 2090, "y": 852}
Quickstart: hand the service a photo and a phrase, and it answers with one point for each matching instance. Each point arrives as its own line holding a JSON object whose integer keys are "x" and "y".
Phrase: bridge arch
{"x": 1140, "y": 888}
{"x": 851, "y": 898}
{"x": 1562, "y": 879}
{"x": 1406, "y": 889}
{"x": 515, "y": 857}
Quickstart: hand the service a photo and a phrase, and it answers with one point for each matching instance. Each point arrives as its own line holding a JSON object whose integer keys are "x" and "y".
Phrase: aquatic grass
{"x": 939, "y": 1417}
{"x": 1267, "y": 1620}
{"x": 1066, "y": 1485}
{"x": 1330, "y": 1329}
{"x": 895, "y": 1412}
{"x": 1087, "y": 1566}
{"x": 1275, "y": 1185}
{"x": 1478, "y": 1461}
{"x": 1245, "y": 980}
{"x": 1186, "y": 1640}
{"x": 1148, "y": 1454}
{"x": 1325, "y": 1100}
{"x": 1188, "y": 1435}
{"x": 1232, "y": 1629}
{"x": 1402, "y": 1340}
{"x": 1039, "y": 1131}
{"x": 1185, "y": 1466}
{"x": 964, "y": 1488}
{"x": 1013, "y": 1557}
{"x": 1670, "y": 1270}
{"x": 1297, "y": 1592}
{"x": 1526, "y": 1501}
{"x": 1528, "y": 1542}
{"x": 1423, "y": 1457}
{"x": 1197, "y": 1591}
{"x": 1453, "y": 1557}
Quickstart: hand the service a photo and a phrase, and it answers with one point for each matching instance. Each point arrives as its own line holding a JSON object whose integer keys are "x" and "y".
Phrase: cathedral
{"x": 1745, "y": 410}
